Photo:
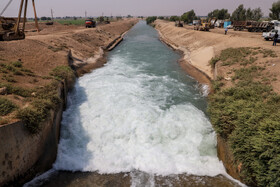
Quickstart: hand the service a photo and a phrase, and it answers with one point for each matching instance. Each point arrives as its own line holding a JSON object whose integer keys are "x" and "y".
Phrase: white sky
{"x": 133, "y": 7}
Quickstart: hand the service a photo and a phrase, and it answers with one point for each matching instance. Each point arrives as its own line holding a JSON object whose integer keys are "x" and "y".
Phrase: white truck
{"x": 270, "y": 35}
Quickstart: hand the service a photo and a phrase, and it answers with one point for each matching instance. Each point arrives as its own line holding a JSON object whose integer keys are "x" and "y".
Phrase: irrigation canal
{"x": 138, "y": 121}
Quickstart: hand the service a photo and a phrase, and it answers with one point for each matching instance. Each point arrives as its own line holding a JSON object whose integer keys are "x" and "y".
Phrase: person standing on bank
{"x": 275, "y": 38}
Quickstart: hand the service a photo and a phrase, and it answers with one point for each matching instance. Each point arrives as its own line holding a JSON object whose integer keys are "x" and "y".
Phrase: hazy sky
{"x": 132, "y": 7}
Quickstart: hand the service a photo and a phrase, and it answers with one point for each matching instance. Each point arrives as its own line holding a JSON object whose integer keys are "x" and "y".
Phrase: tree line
{"x": 239, "y": 14}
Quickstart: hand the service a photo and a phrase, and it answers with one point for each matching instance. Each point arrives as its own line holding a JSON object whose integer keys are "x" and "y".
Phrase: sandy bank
{"x": 199, "y": 47}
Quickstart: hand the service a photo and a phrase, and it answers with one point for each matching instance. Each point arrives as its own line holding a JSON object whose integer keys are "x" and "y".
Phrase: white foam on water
{"x": 117, "y": 121}
{"x": 205, "y": 90}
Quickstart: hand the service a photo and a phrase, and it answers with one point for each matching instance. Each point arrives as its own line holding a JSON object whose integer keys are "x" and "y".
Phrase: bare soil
{"x": 41, "y": 52}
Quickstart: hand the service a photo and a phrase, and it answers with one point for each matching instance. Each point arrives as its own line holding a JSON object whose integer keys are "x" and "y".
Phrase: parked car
{"x": 270, "y": 35}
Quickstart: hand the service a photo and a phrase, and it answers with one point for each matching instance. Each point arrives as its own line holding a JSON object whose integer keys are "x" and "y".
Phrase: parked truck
{"x": 90, "y": 23}
{"x": 260, "y": 26}
{"x": 241, "y": 25}
{"x": 270, "y": 35}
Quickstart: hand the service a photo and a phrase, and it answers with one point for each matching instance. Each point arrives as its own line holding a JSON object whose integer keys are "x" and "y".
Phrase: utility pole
{"x": 85, "y": 14}
{"x": 52, "y": 13}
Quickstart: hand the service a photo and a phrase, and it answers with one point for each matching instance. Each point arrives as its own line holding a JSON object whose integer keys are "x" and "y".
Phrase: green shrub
{"x": 16, "y": 90}
{"x": 63, "y": 72}
{"x": 235, "y": 53}
{"x": 26, "y": 70}
{"x": 232, "y": 56}
{"x": 10, "y": 67}
{"x": 49, "y": 92}
{"x": 216, "y": 85}
{"x": 17, "y": 72}
{"x": 17, "y": 64}
{"x": 32, "y": 118}
{"x": 247, "y": 73}
{"x": 220, "y": 78}
{"x": 151, "y": 19}
{"x": 213, "y": 61}
{"x": 46, "y": 98}
{"x": 6, "y": 106}
{"x": 9, "y": 78}
{"x": 15, "y": 67}
{"x": 268, "y": 52}
{"x": 248, "y": 116}
{"x": 174, "y": 18}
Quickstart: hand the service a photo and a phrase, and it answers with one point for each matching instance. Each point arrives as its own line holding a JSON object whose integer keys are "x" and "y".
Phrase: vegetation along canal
{"x": 138, "y": 121}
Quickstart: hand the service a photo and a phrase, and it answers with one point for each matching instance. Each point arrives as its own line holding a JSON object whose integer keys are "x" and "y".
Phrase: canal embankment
{"x": 140, "y": 117}
{"x": 198, "y": 48}
{"x": 35, "y": 80}
{"x": 244, "y": 74}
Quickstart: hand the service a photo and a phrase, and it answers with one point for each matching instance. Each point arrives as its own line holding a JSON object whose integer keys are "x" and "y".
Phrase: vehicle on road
{"x": 90, "y": 23}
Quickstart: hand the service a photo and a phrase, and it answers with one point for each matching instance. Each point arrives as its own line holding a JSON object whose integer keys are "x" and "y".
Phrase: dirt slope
{"x": 41, "y": 52}
{"x": 199, "y": 47}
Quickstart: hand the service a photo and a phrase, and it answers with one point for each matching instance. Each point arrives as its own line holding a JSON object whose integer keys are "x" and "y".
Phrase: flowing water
{"x": 138, "y": 121}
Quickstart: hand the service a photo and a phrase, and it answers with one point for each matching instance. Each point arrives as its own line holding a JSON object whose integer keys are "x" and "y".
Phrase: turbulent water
{"x": 139, "y": 112}
{"x": 140, "y": 115}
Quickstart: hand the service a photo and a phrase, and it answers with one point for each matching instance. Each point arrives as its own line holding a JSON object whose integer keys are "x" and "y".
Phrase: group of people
{"x": 275, "y": 38}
